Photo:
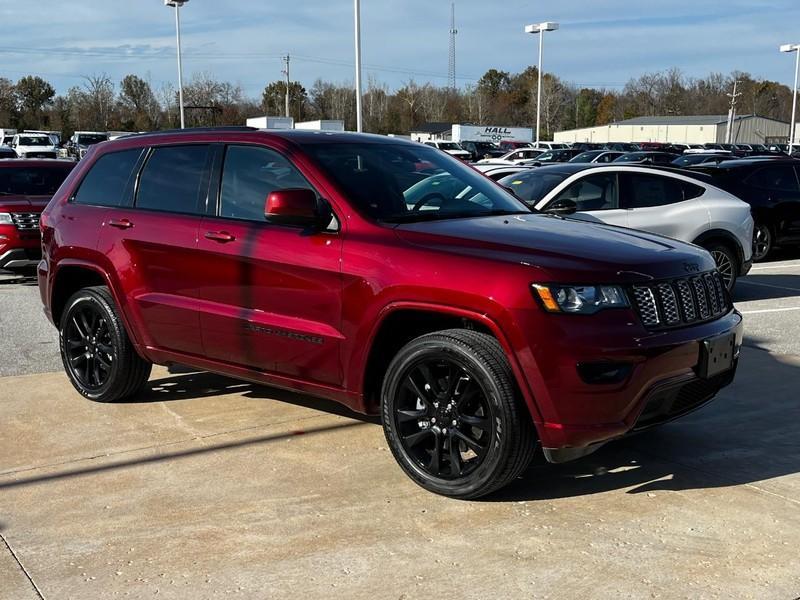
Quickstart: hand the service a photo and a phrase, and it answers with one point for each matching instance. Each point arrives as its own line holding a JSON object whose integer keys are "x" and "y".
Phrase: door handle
{"x": 220, "y": 236}
{"x": 120, "y": 223}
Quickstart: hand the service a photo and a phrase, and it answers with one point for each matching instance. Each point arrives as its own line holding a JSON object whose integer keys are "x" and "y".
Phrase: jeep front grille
{"x": 26, "y": 221}
{"x": 682, "y": 301}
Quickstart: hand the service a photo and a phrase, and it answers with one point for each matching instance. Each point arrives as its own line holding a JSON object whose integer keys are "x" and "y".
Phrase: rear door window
{"x": 645, "y": 191}
{"x": 175, "y": 179}
{"x": 107, "y": 182}
{"x": 779, "y": 178}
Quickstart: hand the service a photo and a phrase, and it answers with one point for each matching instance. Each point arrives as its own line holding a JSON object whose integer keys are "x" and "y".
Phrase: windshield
{"x": 35, "y": 141}
{"x": 631, "y": 157}
{"x": 485, "y": 146}
{"x": 399, "y": 183}
{"x": 88, "y": 139}
{"x": 449, "y": 146}
{"x": 586, "y": 157}
{"x": 32, "y": 181}
{"x": 531, "y": 186}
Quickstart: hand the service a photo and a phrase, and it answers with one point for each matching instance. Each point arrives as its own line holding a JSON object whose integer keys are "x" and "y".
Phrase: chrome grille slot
{"x": 26, "y": 221}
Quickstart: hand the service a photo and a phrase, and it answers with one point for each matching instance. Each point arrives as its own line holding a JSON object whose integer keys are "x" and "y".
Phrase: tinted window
{"x": 593, "y": 192}
{"x": 32, "y": 181}
{"x": 779, "y": 178}
{"x": 248, "y": 177}
{"x": 531, "y": 186}
{"x": 406, "y": 182}
{"x": 172, "y": 179}
{"x": 105, "y": 183}
{"x": 651, "y": 190}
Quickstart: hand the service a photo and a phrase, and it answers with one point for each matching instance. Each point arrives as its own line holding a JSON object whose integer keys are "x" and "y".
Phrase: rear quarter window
{"x": 106, "y": 183}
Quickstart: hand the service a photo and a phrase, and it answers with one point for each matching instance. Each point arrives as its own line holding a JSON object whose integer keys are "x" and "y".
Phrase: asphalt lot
{"x": 209, "y": 487}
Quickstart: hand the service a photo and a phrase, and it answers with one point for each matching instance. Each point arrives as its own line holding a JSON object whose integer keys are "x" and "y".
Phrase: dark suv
{"x": 387, "y": 276}
{"x": 771, "y": 186}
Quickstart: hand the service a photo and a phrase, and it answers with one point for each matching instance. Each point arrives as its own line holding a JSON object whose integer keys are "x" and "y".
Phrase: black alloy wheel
{"x": 762, "y": 241}
{"x": 443, "y": 418}
{"x": 452, "y": 414}
{"x": 90, "y": 352}
{"x": 97, "y": 353}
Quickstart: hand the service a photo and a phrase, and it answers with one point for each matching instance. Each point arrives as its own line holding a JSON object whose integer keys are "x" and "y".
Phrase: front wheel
{"x": 452, "y": 416}
{"x": 98, "y": 356}
{"x": 763, "y": 241}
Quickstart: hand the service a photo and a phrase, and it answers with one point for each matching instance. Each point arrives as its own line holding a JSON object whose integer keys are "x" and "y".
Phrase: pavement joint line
{"x": 22, "y": 567}
{"x": 154, "y": 446}
{"x": 769, "y": 267}
{"x": 769, "y": 310}
{"x": 769, "y": 285}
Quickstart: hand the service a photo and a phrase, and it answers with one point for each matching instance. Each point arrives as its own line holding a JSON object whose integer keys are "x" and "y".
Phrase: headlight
{"x": 5, "y": 219}
{"x": 580, "y": 299}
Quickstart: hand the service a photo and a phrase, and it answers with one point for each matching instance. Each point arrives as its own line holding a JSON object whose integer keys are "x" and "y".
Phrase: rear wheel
{"x": 763, "y": 241}
{"x": 97, "y": 354}
{"x": 725, "y": 259}
{"x": 452, "y": 417}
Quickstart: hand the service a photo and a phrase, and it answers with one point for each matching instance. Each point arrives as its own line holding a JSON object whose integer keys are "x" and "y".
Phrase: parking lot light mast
{"x": 359, "y": 121}
{"x": 793, "y": 127}
{"x": 540, "y": 28}
{"x": 177, "y": 4}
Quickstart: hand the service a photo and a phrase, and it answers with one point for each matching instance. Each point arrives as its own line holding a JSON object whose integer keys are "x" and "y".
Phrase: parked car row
{"x": 38, "y": 145}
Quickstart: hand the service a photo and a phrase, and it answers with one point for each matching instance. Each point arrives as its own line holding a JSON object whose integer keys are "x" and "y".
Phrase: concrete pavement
{"x": 210, "y": 487}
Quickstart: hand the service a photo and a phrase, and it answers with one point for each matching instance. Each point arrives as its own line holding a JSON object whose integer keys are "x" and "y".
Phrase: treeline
{"x": 499, "y": 98}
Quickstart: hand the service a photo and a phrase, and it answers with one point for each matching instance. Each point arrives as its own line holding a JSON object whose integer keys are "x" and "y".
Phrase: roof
{"x": 687, "y": 120}
{"x": 435, "y": 127}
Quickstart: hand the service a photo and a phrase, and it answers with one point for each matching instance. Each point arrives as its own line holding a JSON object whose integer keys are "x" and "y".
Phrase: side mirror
{"x": 296, "y": 207}
{"x": 562, "y": 207}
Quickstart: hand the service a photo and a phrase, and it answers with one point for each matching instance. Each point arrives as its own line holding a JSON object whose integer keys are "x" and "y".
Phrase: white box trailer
{"x": 321, "y": 125}
{"x": 491, "y": 133}
{"x": 271, "y": 122}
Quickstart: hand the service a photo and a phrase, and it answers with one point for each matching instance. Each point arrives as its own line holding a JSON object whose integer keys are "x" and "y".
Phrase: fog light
{"x": 604, "y": 372}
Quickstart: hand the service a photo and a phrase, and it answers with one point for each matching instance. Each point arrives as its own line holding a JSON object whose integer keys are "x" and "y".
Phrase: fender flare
{"x": 727, "y": 237}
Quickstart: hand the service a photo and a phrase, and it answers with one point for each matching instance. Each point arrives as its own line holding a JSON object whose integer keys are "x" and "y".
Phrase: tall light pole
{"x": 177, "y": 4}
{"x": 540, "y": 28}
{"x": 793, "y": 128}
{"x": 359, "y": 121}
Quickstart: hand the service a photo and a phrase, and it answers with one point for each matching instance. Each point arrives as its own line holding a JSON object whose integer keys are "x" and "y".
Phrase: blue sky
{"x": 600, "y": 43}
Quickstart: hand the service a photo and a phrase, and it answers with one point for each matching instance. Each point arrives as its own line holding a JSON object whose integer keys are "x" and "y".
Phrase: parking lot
{"x": 209, "y": 487}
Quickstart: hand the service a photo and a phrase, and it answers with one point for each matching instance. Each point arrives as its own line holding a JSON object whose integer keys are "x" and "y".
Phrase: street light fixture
{"x": 793, "y": 128}
{"x": 177, "y": 4}
{"x": 540, "y": 28}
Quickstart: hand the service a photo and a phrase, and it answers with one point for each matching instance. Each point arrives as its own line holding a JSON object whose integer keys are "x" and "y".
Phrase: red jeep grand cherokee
{"x": 385, "y": 275}
{"x": 26, "y": 187}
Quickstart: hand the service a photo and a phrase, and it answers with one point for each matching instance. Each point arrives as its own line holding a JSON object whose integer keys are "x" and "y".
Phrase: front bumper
{"x": 19, "y": 249}
{"x": 19, "y": 258}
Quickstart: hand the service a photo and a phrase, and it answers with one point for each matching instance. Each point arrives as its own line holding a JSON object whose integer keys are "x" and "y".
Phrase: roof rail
{"x": 195, "y": 130}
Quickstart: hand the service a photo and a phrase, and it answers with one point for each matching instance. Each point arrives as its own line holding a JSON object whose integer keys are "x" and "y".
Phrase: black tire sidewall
{"x": 484, "y": 474}
{"x": 770, "y": 231}
{"x": 88, "y": 296}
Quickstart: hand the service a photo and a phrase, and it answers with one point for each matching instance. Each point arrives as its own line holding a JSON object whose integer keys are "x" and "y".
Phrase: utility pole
{"x": 731, "y": 112}
{"x": 286, "y": 60}
{"x": 451, "y": 70}
{"x": 357, "y": 19}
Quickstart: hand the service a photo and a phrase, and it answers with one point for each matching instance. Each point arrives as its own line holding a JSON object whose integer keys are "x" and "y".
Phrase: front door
{"x": 596, "y": 198}
{"x": 271, "y": 295}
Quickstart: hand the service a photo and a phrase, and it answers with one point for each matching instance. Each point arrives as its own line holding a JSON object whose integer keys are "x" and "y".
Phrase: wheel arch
{"x": 720, "y": 236}
{"x": 399, "y": 323}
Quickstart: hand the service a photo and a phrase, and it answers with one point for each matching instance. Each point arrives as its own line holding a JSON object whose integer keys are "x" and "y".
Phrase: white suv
{"x": 451, "y": 148}
{"x": 34, "y": 145}
{"x": 651, "y": 199}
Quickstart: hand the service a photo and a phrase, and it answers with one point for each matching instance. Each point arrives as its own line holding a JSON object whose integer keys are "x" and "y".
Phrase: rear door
{"x": 153, "y": 246}
{"x": 270, "y": 296}
{"x": 781, "y": 193}
{"x": 661, "y": 204}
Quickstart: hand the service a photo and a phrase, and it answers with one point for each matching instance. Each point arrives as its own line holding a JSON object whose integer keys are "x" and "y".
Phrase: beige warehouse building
{"x": 696, "y": 129}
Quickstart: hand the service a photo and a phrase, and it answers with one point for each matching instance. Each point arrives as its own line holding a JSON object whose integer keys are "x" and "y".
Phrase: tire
{"x": 460, "y": 377}
{"x": 96, "y": 351}
{"x": 726, "y": 262}
{"x": 763, "y": 241}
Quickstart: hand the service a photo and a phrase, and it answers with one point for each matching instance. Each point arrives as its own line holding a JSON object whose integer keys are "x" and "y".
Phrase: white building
{"x": 693, "y": 129}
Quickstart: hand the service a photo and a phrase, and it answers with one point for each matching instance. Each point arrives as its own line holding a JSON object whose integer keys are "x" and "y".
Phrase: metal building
{"x": 692, "y": 129}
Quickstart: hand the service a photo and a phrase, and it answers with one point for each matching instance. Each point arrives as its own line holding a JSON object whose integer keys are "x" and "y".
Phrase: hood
{"x": 564, "y": 250}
